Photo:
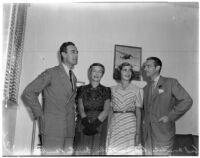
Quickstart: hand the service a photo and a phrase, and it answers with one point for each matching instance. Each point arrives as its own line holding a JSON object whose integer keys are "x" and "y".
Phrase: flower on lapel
{"x": 160, "y": 90}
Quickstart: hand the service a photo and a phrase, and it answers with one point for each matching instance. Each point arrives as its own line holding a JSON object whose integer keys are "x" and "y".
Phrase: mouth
{"x": 127, "y": 76}
{"x": 147, "y": 73}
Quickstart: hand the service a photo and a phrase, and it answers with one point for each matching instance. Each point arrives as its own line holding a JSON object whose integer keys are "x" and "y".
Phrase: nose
{"x": 76, "y": 56}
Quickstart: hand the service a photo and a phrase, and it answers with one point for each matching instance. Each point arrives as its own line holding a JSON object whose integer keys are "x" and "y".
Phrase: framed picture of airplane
{"x": 130, "y": 54}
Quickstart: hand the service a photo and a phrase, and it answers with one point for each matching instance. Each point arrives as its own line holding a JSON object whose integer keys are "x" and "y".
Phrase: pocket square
{"x": 160, "y": 91}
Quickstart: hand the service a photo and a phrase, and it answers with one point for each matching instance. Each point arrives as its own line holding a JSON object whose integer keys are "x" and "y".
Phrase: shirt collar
{"x": 90, "y": 86}
{"x": 157, "y": 78}
{"x": 66, "y": 68}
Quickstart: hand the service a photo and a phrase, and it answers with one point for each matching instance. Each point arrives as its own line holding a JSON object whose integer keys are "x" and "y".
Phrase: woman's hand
{"x": 137, "y": 139}
{"x": 85, "y": 122}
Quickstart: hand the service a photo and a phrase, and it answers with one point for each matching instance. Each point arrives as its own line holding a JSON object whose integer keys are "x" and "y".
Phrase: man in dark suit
{"x": 57, "y": 115}
{"x": 165, "y": 100}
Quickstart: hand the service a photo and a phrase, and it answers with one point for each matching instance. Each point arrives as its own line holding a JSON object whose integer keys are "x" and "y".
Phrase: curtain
{"x": 14, "y": 21}
{"x": 14, "y": 50}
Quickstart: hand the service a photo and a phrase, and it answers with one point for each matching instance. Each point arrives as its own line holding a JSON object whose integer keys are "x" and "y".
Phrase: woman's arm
{"x": 139, "y": 102}
{"x": 138, "y": 126}
{"x": 81, "y": 108}
{"x": 138, "y": 120}
{"x": 102, "y": 116}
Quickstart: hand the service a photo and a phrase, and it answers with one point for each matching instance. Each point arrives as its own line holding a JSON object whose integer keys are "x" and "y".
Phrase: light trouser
{"x": 57, "y": 145}
{"x": 153, "y": 147}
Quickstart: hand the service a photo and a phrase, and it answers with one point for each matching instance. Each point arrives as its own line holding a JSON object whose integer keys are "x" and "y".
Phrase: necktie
{"x": 70, "y": 76}
{"x": 153, "y": 86}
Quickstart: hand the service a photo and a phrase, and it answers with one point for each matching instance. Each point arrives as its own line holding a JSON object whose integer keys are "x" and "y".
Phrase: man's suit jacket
{"x": 58, "y": 101}
{"x": 169, "y": 99}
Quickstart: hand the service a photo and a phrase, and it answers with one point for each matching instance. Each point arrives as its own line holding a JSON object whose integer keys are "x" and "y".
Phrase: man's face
{"x": 150, "y": 68}
{"x": 71, "y": 56}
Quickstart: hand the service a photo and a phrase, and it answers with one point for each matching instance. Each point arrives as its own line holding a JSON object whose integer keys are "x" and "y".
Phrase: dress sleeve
{"x": 138, "y": 99}
{"x": 80, "y": 92}
{"x": 107, "y": 93}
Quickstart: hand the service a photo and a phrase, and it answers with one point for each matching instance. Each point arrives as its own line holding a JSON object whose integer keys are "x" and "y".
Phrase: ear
{"x": 63, "y": 54}
{"x": 157, "y": 68}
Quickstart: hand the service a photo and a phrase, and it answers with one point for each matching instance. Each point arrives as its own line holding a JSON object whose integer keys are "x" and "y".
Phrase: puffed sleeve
{"x": 107, "y": 94}
{"x": 80, "y": 92}
{"x": 138, "y": 99}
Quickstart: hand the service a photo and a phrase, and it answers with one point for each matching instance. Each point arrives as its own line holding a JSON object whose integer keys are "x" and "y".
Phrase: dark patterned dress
{"x": 93, "y": 102}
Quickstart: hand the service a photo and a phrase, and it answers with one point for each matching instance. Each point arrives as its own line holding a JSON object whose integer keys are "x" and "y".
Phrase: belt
{"x": 93, "y": 110}
{"x": 124, "y": 111}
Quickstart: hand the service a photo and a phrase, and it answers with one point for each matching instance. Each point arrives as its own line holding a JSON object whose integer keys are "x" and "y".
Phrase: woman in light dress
{"x": 124, "y": 132}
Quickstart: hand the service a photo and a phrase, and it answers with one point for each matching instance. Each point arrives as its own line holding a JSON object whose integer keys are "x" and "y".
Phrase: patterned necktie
{"x": 70, "y": 76}
{"x": 153, "y": 86}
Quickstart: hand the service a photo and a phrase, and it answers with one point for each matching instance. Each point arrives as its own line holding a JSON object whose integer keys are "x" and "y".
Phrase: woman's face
{"x": 126, "y": 73}
{"x": 96, "y": 73}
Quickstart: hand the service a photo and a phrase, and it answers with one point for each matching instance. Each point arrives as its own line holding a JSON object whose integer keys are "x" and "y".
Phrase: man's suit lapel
{"x": 149, "y": 91}
{"x": 65, "y": 79}
{"x": 159, "y": 84}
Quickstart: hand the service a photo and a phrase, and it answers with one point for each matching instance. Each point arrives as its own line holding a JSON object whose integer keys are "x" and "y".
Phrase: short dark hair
{"x": 157, "y": 62}
{"x": 96, "y": 64}
{"x": 117, "y": 71}
{"x": 63, "y": 48}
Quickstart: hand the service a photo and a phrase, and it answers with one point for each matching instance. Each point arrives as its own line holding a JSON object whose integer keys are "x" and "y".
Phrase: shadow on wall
{"x": 145, "y": 78}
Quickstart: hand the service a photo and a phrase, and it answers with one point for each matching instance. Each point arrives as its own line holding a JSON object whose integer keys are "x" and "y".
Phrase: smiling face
{"x": 151, "y": 70}
{"x": 126, "y": 73}
{"x": 96, "y": 73}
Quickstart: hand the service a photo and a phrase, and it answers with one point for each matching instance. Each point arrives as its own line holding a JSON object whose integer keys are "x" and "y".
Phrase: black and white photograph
{"x": 83, "y": 78}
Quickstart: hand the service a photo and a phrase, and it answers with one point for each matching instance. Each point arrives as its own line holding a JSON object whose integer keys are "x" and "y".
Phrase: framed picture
{"x": 131, "y": 55}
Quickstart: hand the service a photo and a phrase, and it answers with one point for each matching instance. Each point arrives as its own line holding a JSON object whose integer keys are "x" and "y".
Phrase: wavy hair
{"x": 96, "y": 64}
{"x": 63, "y": 48}
{"x": 117, "y": 71}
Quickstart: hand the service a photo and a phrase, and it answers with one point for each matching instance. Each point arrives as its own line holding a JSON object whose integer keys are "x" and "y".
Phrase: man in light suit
{"x": 57, "y": 115}
{"x": 165, "y": 100}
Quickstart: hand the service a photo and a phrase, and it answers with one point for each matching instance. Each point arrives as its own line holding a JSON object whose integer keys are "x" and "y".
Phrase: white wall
{"x": 167, "y": 31}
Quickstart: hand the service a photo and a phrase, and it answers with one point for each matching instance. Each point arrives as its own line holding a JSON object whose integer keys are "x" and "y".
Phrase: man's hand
{"x": 164, "y": 119}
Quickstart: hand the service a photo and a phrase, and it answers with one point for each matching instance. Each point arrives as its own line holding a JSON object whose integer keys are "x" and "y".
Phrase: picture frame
{"x": 130, "y": 54}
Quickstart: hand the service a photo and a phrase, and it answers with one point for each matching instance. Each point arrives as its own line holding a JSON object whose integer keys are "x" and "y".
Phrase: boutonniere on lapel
{"x": 160, "y": 89}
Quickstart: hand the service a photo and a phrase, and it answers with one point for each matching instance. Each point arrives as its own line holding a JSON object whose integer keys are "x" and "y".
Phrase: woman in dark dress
{"x": 93, "y": 108}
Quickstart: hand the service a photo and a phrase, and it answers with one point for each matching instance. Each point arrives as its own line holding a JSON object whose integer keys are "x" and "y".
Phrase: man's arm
{"x": 183, "y": 99}
{"x": 32, "y": 91}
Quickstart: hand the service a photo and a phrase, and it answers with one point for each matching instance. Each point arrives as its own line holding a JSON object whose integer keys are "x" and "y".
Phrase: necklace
{"x": 125, "y": 86}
